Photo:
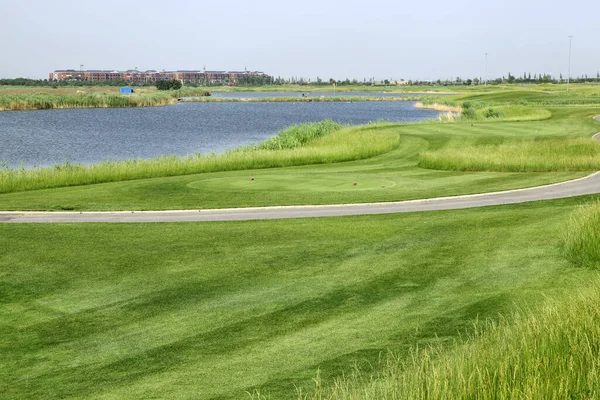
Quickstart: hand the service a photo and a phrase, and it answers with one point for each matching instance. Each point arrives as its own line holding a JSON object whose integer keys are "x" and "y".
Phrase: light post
{"x": 569, "y": 73}
{"x": 485, "y": 76}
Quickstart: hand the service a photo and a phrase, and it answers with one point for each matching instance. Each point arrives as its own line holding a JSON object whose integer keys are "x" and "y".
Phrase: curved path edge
{"x": 578, "y": 187}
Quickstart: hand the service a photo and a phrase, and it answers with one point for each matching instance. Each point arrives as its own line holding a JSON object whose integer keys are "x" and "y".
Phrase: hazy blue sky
{"x": 355, "y": 39}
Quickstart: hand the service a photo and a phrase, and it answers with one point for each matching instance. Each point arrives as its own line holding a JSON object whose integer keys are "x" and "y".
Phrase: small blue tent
{"x": 126, "y": 90}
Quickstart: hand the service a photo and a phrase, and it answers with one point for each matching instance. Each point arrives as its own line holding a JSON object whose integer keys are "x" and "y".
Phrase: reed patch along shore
{"x": 93, "y": 99}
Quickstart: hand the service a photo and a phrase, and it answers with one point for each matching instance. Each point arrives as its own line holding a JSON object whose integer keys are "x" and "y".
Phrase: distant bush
{"x": 491, "y": 113}
{"x": 468, "y": 113}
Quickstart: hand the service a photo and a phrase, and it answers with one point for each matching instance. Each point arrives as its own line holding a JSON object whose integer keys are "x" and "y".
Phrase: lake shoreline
{"x": 305, "y": 99}
{"x": 87, "y": 136}
{"x": 134, "y": 103}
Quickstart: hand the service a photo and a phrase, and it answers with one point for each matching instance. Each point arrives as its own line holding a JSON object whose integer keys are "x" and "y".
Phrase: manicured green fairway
{"x": 316, "y": 183}
{"x": 216, "y": 309}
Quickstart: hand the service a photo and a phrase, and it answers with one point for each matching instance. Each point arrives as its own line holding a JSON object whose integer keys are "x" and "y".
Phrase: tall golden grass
{"x": 439, "y": 107}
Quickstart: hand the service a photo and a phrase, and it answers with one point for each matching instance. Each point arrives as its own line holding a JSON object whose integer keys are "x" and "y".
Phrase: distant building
{"x": 186, "y": 76}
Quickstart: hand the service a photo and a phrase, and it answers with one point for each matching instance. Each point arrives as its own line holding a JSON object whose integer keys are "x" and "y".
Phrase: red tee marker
{"x": 354, "y": 183}
{"x": 251, "y": 179}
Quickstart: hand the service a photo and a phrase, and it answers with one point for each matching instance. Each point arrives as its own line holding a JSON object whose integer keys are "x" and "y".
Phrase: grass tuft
{"x": 582, "y": 237}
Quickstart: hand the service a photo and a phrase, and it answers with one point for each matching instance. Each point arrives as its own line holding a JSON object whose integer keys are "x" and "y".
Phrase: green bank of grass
{"x": 315, "y": 143}
{"x": 527, "y": 156}
{"x": 216, "y": 310}
{"x": 583, "y": 96}
{"x": 531, "y": 151}
{"x": 297, "y": 99}
{"x": 468, "y": 111}
{"x": 330, "y": 88}
{"x": 450, "y": 89}
{"x": 550, "y": 352}
{"x": 511, "y": 101}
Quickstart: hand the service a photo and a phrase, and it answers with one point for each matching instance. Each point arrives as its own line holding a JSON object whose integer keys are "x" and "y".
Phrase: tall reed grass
{"x": 45, "y": 101}
{"x": 296, "y": 136}
{"x": 96, "y": 99}
{"x": 346, "y": 144}
{"x": 443, "y": 106}
{"x": 527, "y": 156}
{"x": 549, "y": 353}
{"x": 582, "y": 237}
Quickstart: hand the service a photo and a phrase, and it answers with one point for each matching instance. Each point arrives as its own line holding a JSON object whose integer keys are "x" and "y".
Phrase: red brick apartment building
{"x": 187, "y": 76}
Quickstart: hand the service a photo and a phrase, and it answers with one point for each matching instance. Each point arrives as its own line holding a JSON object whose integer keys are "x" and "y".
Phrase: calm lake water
{"x": 86, "y": 136}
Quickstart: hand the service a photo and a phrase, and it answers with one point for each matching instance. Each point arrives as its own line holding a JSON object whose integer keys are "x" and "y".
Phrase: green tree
{"x": 176, "y": 84}
{"x": 162, "y": 85}
{"x": 168, "y": 84}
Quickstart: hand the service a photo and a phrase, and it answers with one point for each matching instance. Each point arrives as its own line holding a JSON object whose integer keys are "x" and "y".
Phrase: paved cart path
{"x": 578, "y": 187}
